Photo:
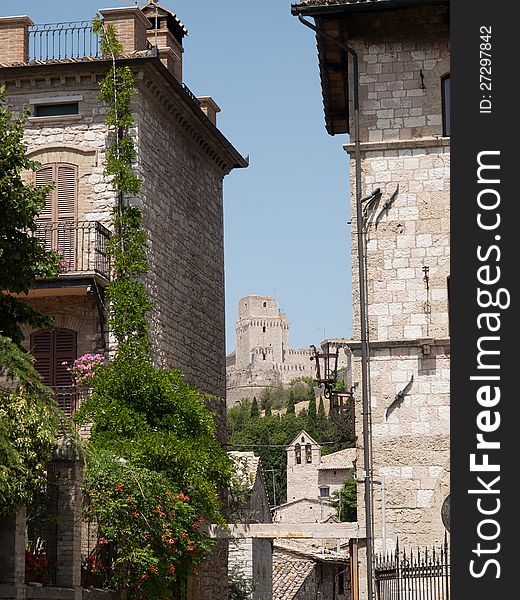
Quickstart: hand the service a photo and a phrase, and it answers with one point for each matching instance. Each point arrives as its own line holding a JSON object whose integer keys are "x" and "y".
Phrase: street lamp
{"x": 326, "y": 368}
{"x": 341, "y": 403}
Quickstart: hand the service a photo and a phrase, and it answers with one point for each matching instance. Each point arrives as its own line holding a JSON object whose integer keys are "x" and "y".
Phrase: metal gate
{"x": 419, "y": 575}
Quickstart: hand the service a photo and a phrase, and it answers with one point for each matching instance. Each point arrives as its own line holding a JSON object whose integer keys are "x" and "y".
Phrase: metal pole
{"x": 367, "y": 418}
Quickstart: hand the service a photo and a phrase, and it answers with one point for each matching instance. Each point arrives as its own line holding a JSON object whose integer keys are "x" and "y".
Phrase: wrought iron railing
{"x": 420, "y": 575}
{"x": 83, "y": 245}
{"x": 68, "y": 398}
{"x": 60, "y": 41}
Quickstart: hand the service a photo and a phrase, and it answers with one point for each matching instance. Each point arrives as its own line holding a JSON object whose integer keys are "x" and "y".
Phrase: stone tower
{"x": 303, "y": 461}
{"x": 262, "y": 331}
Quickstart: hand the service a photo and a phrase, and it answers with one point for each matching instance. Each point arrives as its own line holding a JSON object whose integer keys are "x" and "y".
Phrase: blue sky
{"x": 286, "y": 231}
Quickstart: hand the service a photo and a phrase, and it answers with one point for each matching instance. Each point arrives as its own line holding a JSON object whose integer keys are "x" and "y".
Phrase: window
{"x": 50, "y": 350}
{"x": 263, "y": 329}
{"x": 446, "y": 106}
{"x": 56, "y": 110}
{"x": 265, "y": 304}
{"x": 324, "y": 492}
{"x": 55, "y": 223}
{"x": 298, "y": 454}
{"x": 308, "y": 453}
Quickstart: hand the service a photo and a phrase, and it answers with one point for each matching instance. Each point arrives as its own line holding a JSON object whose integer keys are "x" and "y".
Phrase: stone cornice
{"x": 411, "y": 343}
{"x": 424, "y": 142}
{"x": 181, "y": 105}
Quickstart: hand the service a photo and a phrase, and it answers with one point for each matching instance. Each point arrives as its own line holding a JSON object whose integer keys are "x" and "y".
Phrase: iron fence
{"x": 83, "y": 245}
{"x": 59, "y": 41}
{"x": 419, "y": 575}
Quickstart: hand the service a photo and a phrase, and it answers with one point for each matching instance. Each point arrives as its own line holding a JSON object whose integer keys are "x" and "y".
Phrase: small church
{"x": 312, "y": 478}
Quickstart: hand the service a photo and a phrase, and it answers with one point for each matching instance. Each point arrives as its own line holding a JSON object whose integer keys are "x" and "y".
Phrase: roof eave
{"x": 317, "y": 10}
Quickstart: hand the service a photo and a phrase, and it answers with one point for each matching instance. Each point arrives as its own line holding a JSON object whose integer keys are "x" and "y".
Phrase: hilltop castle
{"x": 262, "y": 356}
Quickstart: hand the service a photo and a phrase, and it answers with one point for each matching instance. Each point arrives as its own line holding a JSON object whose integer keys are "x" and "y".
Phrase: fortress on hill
{"x": 262, "y": 356}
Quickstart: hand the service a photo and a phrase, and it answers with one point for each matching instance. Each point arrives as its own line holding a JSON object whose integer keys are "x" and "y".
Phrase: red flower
{"x": 171, "y": 569}
{"x": 154, "y": 569}
{"x": 102, "y": 541}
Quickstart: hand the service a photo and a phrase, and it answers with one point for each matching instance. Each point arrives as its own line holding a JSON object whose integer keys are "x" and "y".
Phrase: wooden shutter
{"x": 65, "y": 192}
{"x": 43, "y": 177}
{"x": 45, "y": 218}
{"x": 65, "y": 350}
{"x": 42, "y": 349}
{"x": 51, "y": 349}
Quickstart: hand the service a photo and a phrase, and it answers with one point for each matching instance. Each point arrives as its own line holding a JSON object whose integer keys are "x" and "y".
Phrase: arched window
{"x": 298, "y": 454}
{"x": 446, "y": 106}
{"x": 308, "y": 453}
{"x": 55, "y": 223}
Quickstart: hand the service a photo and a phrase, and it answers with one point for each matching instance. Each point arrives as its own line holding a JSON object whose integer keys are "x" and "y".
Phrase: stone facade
{"x": 401, "y": 66}
{"x": 311, "y": 481}
{"x": 252, "y": 557}
{"x": 404, "y": 60}
{"x": 262, "y": 356}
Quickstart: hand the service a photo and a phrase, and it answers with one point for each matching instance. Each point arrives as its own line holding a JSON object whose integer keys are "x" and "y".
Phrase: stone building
{"x": 404, "y": 146}
{"x": 262, "y": 356}
{"x": 311, "y": 480}
{"x": 182, "y": 159}
{"x": 307, "y": 573}
{"x": 251, "y": 557}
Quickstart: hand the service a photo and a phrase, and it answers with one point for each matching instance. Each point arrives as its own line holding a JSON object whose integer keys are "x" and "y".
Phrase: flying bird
{"x": 399, "y": 397}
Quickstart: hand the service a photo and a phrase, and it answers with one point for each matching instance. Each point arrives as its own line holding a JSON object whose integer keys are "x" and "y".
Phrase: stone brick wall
{"x": 404, "y": 53}
{"x": 182, "y": 213}
{"x": 305, "y": 510}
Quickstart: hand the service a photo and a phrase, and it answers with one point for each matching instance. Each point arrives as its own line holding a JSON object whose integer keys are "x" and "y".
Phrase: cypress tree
{"x": 254, "y": 409}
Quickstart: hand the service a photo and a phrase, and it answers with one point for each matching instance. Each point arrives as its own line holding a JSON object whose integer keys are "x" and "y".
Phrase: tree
{"x": 345, "y": 501}
{"x": 267, "y": 408}
{"x": 255, "y": 412}
{"x": 312, "y": 410}
{"x": 321, "y": 411}
{"x": 23, "y": 256}
{"x": 290, "y": 403}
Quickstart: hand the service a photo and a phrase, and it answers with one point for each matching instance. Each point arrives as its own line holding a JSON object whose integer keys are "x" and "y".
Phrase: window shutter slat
{"x": 66, "y": 192}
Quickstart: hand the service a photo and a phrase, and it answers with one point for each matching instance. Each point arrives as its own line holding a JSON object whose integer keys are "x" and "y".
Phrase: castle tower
{"x": 262, "y": 331}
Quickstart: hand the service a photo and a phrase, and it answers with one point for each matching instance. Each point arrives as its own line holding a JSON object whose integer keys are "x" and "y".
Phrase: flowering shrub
{"x": 156, "y": 530}
{"x": 36, "y": 565}
{"x": 85, "y": 367}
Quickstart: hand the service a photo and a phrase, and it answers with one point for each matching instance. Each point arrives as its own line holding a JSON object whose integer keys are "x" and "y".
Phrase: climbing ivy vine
{"x": 153, "y": 465}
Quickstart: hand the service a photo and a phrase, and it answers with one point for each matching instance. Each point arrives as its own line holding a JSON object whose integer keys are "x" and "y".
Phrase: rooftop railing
{"x": 60, "y": 41}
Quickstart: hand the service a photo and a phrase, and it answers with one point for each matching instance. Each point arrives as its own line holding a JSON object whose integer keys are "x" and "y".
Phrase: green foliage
{"x": 153, "y": 523}
{"x": 312, "y": 409}
{"x": 290, "y": 403}
{"x": 255, "y": 412}
{"x": 345, "y": 501}
{"x": 269, "y": 435}
{"x": 29, "y": 420}
{"x": 23, "y": 257}
{"x": 321, "y": 411}
{"x": 240, "y": 587}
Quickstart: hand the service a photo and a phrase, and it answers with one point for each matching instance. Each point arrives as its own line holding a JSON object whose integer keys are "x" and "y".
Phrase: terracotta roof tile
{"x": 343, "y": 459}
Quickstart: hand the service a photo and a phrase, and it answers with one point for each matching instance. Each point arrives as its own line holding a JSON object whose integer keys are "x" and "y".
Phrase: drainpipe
{"x": 367, "y": 419}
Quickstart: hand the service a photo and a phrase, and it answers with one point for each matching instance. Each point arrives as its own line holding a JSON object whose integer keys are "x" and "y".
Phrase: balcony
{"x": 83, "y": 246}
{"x": 68, "y": 398}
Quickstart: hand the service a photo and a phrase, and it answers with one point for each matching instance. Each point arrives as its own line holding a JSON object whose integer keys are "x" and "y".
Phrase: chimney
{"x": 167, "y": 33}
{"x": 130, "y": 24}
{"x": 209, "y": 108}
{"x": 14, "y": 40}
